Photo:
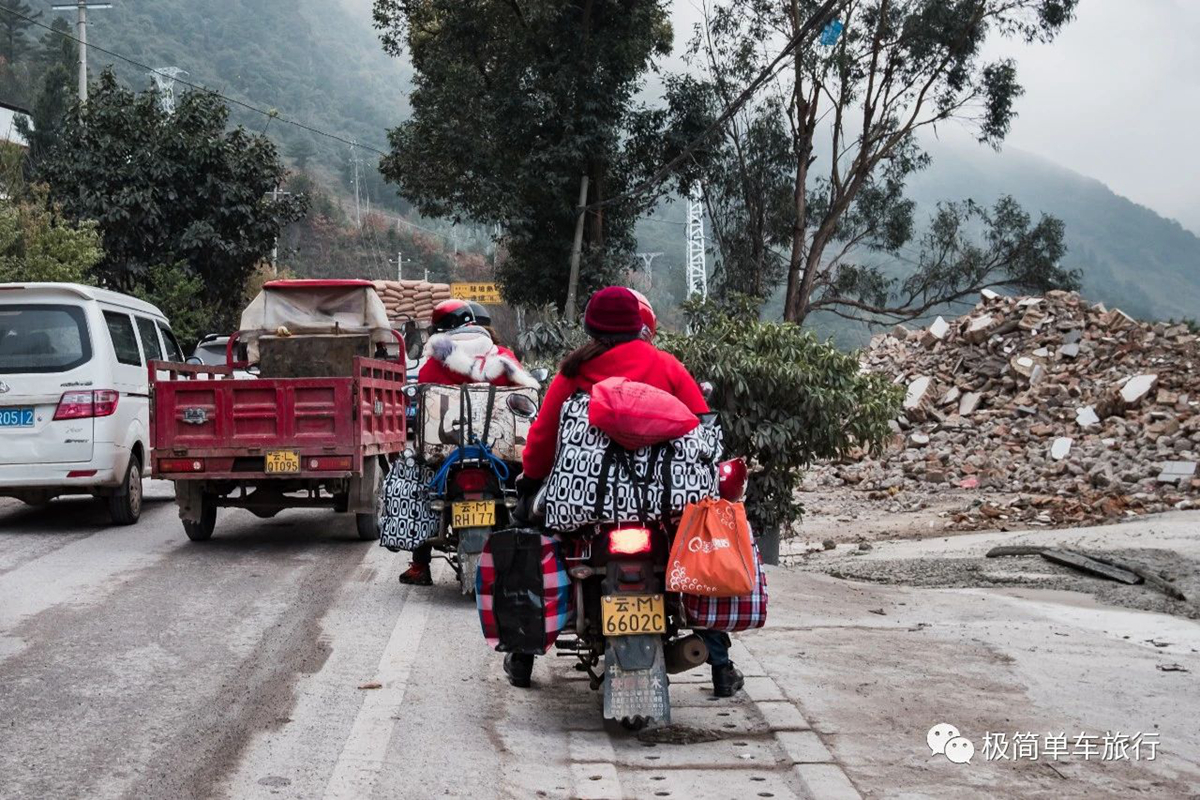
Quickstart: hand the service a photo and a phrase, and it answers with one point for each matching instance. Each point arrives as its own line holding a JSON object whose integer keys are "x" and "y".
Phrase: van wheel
{"x": 125, "y": 505}
{"x": 202, "y": 530}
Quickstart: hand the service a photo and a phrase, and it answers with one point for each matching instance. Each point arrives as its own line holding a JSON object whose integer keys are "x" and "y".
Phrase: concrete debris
{"x": 1076, "y": 412}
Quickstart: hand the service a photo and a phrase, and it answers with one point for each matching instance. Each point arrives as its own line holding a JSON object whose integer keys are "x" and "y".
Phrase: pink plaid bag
{"x": 522, "y": 591}
{"x": 730, "y": 614}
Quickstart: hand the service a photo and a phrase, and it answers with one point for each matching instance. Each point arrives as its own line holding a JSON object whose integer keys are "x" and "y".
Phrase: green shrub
{"x": 785, "y": 400}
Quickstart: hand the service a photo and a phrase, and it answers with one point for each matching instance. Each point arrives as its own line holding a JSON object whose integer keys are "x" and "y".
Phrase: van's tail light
{"x": 471, "y": 480}
{"x": 82, "y": 405}
{"x": 629, "y": 541}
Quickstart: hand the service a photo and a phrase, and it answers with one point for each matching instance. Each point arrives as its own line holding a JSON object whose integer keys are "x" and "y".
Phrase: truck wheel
{"x": 125, "y": 505}
{"x": 341, "y": 502}
{"x": 201, "y": 530}
{"x": 368, "y": 524}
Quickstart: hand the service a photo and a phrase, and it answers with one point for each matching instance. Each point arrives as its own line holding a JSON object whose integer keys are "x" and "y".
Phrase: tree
{"x": 37, "y": 244}
{"x": 785, "y": 400}
{"x": 513, "y": 103}
{"x": 850, "y": 112}
{"x": 166, "y": 189}
{"x": 15, "y": 19}
{"x": 44, "y": 125}
{"x": 175, "y": 290}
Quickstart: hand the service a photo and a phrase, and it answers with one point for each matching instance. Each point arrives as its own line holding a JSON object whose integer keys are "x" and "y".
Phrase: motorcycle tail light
{"x": 471, "y": 480}
{"x": 629, "y": 541}
{"x": 732, "y": 479}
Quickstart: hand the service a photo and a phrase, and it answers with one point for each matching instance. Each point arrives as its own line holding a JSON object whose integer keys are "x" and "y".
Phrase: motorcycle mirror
{"x": 708, "y": 419}
{"x": 194, "y": 361}
{"x": 706, "y": 389}
{"x": 540, "y": 374}
{"x": 522, "y": 406}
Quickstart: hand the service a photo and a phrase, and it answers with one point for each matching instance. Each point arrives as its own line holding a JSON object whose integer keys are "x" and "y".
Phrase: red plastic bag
{"x": 636, "y": 415}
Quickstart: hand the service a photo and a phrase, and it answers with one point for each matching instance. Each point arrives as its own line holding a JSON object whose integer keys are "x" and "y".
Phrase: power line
{"x": 198, "y": 87}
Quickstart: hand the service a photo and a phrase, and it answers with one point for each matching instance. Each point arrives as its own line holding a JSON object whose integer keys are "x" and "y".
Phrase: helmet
{"x": 647, "y": 312}
{"x": 451, "y": 314}
{"x": 482, "y": 316}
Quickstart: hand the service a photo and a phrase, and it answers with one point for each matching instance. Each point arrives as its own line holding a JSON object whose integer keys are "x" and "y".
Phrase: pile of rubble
{"x": 1072, "y": 411}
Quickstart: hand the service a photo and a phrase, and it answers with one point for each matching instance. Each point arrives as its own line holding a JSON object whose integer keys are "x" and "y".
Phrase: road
{"x": 134, "y": 663}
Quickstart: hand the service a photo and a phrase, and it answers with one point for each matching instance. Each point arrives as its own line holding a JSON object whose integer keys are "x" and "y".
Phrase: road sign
{"x": 479, "y": 292}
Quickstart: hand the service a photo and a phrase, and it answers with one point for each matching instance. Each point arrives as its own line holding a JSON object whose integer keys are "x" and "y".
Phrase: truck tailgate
{"x": 232, "y": 416}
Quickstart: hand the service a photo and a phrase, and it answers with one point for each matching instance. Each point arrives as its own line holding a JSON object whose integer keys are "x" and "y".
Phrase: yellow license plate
{"x": 625, "y": 614}
{"x": 283, "y": 461}
{"x": 473, "y": 514}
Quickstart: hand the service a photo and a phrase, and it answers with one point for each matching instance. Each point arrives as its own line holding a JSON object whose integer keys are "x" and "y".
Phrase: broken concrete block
{"x": 936, "y": 332}
{"x": 1177, "y": 471}
{"x": 979, "y": 328}
{"x": 1069, "y": 350}
{"x": 1137, "y": 387}
{"x": 1086, "y": 417}
{"x": 1072, "y": 336}
{"x": 951, "y": 396}
{"x": 1061, "y": 447}
{"x": 918, "y": 439}
{"x": 968, "y": 403}
{"x": 988, "y": 294}
{"x": 916, "y": 393}
{"x": 1118, "y": 320}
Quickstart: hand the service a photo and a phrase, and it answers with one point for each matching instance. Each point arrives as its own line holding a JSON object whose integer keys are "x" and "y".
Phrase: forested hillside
{"x": 312, "y": 61}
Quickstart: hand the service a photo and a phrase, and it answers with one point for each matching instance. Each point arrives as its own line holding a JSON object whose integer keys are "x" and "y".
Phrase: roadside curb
{"x": 812, "y": 762}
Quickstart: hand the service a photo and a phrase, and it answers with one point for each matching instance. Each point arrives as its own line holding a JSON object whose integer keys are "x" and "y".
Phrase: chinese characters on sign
{"x": 479, "y": 292}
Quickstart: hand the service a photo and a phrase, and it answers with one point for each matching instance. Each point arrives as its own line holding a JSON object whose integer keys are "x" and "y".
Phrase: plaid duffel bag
{"x": 522, "y": 591}
{"x": 730, "y": 614}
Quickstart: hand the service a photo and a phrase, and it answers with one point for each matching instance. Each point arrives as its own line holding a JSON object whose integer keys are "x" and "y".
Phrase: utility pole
{"x": 275, "y": 193}
{"x": 399, "y": 266}
{"x": 576, "y": 250}
{"x": 357, "y": 194}
{"x": 81, "y": 8}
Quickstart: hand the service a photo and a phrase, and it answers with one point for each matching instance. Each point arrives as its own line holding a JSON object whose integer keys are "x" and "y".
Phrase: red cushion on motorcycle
{"x": 635, "y": 414}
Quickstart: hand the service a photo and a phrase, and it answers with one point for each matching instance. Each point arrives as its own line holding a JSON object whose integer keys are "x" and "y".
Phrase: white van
{"x": 74, "y": 392}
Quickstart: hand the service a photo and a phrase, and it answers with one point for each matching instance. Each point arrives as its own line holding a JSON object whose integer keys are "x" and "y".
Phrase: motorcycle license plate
{"x": 473, "y": 514}
{"x": 282, "y": 461}
{"x": 625, "y": 614}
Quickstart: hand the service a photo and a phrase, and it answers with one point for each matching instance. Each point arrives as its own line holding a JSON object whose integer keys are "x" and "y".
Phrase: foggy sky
{"x": 1115, "y": 97}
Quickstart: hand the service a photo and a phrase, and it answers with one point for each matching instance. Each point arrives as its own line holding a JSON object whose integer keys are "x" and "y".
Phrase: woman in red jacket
{"x": 620, "y": 326}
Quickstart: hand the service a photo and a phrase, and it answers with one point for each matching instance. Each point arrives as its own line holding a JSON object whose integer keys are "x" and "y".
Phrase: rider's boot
{"x": 726, "y": 679}
{"x": 519, "y": 669}
{"x": 417, "y": 575}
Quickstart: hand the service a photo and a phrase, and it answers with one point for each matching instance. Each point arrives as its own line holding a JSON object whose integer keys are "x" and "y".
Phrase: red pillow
{"x": 635, "y": 414}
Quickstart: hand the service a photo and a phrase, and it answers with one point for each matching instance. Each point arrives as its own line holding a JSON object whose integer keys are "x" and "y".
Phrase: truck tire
{"x": 201, "y": 530}
{"x": 125, "y": 504}
{"x": 368, "y": 524}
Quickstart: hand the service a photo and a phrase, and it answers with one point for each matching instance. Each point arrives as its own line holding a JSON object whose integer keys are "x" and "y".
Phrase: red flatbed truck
{"x": 269, "y": 443}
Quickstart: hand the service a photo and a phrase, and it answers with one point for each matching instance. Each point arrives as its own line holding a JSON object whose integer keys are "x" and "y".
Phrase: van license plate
{"x": 625, "y": 614}
{"x": 16, "y": 417}
{"x": 473, "y": 514}
{"x": 283, "y": 461}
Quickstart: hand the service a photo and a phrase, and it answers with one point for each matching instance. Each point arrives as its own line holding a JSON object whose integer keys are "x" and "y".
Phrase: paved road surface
{"x": 134, "y": 663}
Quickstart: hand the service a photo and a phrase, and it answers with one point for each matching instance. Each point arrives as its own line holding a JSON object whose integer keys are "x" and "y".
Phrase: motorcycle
{"x": 623, "y": 614}
{"x": 473, "y": 495}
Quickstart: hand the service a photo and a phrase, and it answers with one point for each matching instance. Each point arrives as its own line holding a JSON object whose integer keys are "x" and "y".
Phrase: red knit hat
{"x": 613, "y": 313}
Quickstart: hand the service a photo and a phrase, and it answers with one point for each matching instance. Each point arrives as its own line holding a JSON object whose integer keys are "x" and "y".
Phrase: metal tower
{"x": 647, "y": 261}
{"x": 697, "y": 272}
{"x": 164, "y": 81}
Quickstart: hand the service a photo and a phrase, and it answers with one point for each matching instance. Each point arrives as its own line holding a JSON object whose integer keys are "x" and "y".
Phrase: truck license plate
{"x": 473, "y": 514}
{"x": 624, "y": 614}
{"x": 283, "y": 461}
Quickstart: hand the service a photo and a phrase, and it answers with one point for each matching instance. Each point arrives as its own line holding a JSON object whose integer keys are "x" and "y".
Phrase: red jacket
{"x": 636, "y": 360}
{"x": 434, "y": 371}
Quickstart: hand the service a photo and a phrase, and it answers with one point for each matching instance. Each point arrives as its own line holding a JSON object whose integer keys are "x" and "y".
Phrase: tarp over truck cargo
{"x": 326, "y": 307}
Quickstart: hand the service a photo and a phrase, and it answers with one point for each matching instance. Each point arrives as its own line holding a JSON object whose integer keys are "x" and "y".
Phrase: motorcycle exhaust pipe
{"x": 685, "y": 654}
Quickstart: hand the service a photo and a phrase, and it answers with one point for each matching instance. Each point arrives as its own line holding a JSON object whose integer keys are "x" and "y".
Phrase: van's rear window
{"x": 42, "y": 338}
